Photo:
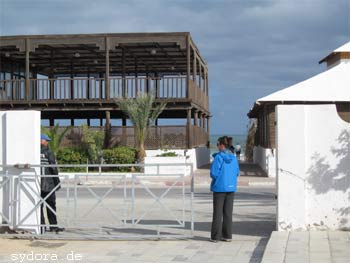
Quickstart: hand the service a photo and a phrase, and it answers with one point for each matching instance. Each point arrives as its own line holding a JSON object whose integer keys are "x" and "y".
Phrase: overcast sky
{"x": 252, "y": 47}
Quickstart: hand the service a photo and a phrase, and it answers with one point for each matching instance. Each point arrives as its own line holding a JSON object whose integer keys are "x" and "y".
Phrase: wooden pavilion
{"x": 82, "y": 76}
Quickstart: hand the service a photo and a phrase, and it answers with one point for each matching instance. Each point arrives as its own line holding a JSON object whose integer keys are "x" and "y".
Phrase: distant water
{"x": 240, "y": 138}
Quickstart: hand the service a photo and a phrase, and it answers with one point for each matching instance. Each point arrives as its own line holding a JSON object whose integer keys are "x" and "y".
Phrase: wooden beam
{"x": 27, "y": 81}
{"x": 188, "y": 129}
{"x": 188, "y": 67}
{"x": 107, "y": 90}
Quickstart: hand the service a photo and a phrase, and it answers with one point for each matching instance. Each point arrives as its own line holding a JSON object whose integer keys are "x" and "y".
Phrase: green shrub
{"x": 71, "y": 156}
{"x": 119, "y": 155}
{"x": 167, "y": 154}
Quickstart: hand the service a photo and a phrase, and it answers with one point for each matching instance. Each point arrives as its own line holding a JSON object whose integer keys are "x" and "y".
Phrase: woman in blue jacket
{"x": 223, "y": 172}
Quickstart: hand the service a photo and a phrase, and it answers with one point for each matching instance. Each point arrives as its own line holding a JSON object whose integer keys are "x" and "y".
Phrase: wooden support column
{"x": 124, "y": 122}
{"x": 200, "y": 75}
{"x": 107, "y": 129}
{"x": 71, "y": 122}
{"x": 136, "y": 80}
{"x": 196, "y": 118}
{"x": 208, "y": 125}
{"x": 204, "y": 122}
{"x": 27, "y": 81}
{"x": 188, "y": 130}
{"x": 71, "y": 80}
{"x": 51, "y": 76}
{"x": 101, "y": 86}
{"x": 107, "y": 88}
{"x": 188, "y": 67}
{"x": 88, "y": 87}
{"x": 52, "y": 122}
{"x": 194, "y": 66}
{"x": 88, "y": 122}
{"x": 101, "y": 122}
{"x": 123, "y": 74}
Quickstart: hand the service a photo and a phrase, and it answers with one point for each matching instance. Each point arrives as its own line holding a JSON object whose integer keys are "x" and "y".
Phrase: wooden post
{"x": 88, "y": 87}
{"x": 200, "y": 75}
{"x": 136, "y": 82}
{"x": 52, "y": 122}
{"x": 194, "y": 66}
{"x": 51, "y": 76}
{"x": 71, "y": 122}
{"x": 208, "y": 125}
{"x": 107, "y": 91}
{"x": 188, "y": 133}
{"x": 188, "y": 67}
{"x": 27, "y": 83}
{"x": 124, "y": 122}
{"x": 71, "y": 80}
{"x": 101, "y": 122}
{"x": 123, "y": 74}
{"x": 107, "y": 129}
{"x": 204, "y": 122}
{"x": 101, "y": 87}
{"x": 196, "y": 118}
{"x": 88, "y": 122}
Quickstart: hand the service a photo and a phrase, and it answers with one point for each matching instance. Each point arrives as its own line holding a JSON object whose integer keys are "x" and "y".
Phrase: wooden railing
{"x": 158, "y": 137}
{"x": 169, "y": 87}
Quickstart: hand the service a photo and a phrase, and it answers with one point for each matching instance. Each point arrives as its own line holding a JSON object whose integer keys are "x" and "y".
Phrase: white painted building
{"x": 303, "y": 138}
{"x": 330, "y": 86}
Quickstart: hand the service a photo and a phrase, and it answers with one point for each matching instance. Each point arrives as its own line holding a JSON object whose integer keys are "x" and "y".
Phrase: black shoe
{"x": 226, "y": 239}
{"x": 56, "y": 229}
{"x": 214, "y": 240}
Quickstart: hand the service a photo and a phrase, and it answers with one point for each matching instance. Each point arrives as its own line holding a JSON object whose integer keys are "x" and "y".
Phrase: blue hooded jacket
{"x": 224, "y": 172}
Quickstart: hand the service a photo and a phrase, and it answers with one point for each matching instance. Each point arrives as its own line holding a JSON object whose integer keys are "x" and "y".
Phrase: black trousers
{"x": 51, "y": 201}
{"x": 222, "y": 215}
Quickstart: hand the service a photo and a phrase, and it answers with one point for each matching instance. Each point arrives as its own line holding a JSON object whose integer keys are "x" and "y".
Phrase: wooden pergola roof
{"x": 129, "y": 53}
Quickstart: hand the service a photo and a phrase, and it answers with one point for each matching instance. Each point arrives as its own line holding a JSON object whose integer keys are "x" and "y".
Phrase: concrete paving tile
{"x": 338, "y": 235}
{"x": 296, "y": 259}
{"x": 314, "y": 234}
{"x": 275, "y": 257}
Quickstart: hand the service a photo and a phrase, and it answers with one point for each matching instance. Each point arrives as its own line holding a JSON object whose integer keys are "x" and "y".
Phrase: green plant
{"x": 92, "y": 143}
{"x": 142, "y": 113}
{"x": 71, "y": 156}
{"x": 167, "y": 154}
{"x": 55, "y": 135}
{"x": 119, "y": 155}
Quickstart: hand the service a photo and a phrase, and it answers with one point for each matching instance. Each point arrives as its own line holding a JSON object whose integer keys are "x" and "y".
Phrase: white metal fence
{"x": 100, "y": 205}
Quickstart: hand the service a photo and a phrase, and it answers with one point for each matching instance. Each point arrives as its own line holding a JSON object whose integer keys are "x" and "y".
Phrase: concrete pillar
{"x": 17, "y": 147}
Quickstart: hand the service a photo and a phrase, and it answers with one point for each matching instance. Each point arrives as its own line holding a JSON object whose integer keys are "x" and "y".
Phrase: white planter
{"x": 168, "y": 169}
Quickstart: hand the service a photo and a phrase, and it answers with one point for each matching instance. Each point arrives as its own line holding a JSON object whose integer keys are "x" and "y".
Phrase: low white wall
{"x": 266, "y": 159}
{"x": 198, "y": 156}
{"x": 167, "y": 169}
{"x": 313, "y": 168}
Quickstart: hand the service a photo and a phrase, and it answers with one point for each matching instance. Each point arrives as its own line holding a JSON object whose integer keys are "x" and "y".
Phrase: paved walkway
{"x": 254, "y": 220}
{"x": 308, "y": 247}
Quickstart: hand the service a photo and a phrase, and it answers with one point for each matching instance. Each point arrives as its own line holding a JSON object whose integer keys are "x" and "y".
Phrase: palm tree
{"x": 55, "y": 136}
{"x": 142, "y": 113}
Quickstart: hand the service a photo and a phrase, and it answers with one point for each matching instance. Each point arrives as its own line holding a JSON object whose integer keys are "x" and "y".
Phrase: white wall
{"x": 20, "y": 144}
{"x": 313, "y": 168}
{"x": 266, "y": 159}
{"x": 198, "y": 156}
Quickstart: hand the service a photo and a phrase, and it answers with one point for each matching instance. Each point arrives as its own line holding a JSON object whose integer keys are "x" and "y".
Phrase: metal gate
{"x": 98, "y": 204}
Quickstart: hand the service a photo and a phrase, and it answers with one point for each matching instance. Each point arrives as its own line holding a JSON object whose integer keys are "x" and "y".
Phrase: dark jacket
{"x": 224, "y": 172}
{"x": 48, "y": 157}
